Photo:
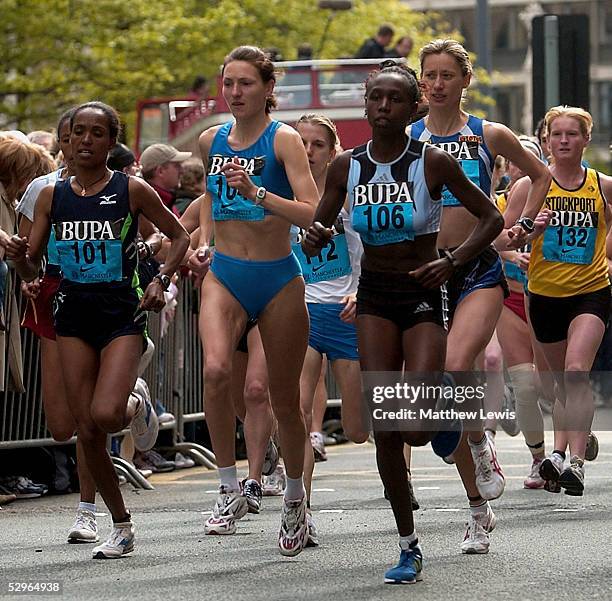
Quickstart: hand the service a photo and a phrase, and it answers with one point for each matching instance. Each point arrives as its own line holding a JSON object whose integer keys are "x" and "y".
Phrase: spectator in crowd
{"x": 304, "y": 52}
{"x": 46, "y": 139}
{"x": 20, "y": 163}
{"x": 191, "y": 184}
{"x": 402, "y": 48}
{"x": 200, "y": 90}
{"x": 121, "y": 158}
{"x": 375, "y": 47}
{"x": 161, "y": 169}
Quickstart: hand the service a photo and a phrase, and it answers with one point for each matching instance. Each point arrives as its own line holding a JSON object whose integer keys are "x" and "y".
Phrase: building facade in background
{"x": 510, "y": 42}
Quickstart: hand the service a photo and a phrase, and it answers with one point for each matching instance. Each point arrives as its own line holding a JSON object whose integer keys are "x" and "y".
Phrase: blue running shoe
{"x": 409, "y": 569}
{"x": 446, "y": 441}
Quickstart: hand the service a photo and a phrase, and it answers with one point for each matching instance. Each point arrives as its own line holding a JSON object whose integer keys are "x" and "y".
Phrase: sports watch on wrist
{"x": 163, "y": 279}
{"x": 526, "y": 223}
{"x": 260, "y": 195}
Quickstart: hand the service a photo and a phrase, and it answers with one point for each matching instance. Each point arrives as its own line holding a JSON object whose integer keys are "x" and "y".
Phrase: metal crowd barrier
{"x": 174, "y": 376}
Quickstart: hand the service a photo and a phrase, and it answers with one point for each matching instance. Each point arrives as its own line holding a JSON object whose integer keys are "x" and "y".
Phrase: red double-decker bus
{"x": 334, "y": 88}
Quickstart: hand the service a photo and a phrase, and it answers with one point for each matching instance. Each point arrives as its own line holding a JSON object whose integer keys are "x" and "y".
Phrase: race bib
{"x": 384, "y": 223}
{"x": 90, "y": 261}
{"x": 331, "y": 263}
{"x": 465, "y": 150}
{"x": 568, "y": 244}
{"x": 228, "y": 204}
{"x": 472, "y": 172}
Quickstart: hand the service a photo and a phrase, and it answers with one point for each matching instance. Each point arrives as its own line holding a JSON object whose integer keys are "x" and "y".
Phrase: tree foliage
{"x": 61, "y": 52}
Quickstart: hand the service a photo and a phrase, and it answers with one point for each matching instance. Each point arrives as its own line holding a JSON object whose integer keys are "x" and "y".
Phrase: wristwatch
{"x": 260, "y": 195}
{"x": 526, "y": 223}
{"x": 163, "y": 279}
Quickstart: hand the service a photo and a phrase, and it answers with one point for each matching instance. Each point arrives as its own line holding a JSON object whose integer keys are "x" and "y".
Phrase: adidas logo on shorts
{"x": 423, "y": 307}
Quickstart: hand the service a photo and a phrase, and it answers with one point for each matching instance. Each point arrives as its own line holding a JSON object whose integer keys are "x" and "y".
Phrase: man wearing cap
{"x": 161, "y": 169}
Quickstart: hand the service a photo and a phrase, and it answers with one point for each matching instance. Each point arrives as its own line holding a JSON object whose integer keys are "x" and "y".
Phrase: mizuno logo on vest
{"x": 252, "y": 165}
{"x": 88, "y": 230}
{"x": 381, "y": 193}
{"x": 106, "y": 200}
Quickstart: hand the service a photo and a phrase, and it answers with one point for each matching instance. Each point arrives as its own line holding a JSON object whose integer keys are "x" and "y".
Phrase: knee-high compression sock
{"x": 529, "y": 414}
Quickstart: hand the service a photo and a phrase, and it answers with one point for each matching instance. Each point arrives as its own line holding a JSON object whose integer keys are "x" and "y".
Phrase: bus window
{"x": 293, "y": 89}
{"x": 342, "y": 87}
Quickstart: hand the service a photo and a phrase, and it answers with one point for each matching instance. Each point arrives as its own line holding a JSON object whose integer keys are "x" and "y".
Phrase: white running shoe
{"x": 318, "y": 446}
{"x": 313, "y": 535}
{"x": 534, "y": 480}
{"x": 293, "y": 533}
{"x": 120, "y": 542}
{"x": 477, "y": 540}
{"x": 572, "y": 477}
{"x": 144, "y": 426}
{"x": 274, "y": 484}
{"x": 550, "y": 470}
{"x": 271, "y": 459}
{"x": 489, "y": 476}
{"x": 85, "y": 528}
{"x": 251, "y": 489}
{"x": 229, "y": 507}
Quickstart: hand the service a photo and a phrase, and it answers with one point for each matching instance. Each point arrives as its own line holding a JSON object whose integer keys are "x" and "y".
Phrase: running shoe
{"x": 313, "y": 535}
{"x": 489, "y": 476}
{"x": 120, "y": 542}
{"x": 318, "y": 446}
{"x": 534, "y": 480}
{"x": 293, "y": 533}
{"x": 21, "y": 487}
{"x": 85, "y": 528}
{"x": 592, "y": 449}
{"x": 509, "y": 424}
{"x": 550, "y": 470}
{"x": 183, "y": 462}
{"x": 274, "y": 484}
{"x": 251, "y": 489}
{"x": 572, "y": 477}
{"x": 229, "y": 507}
{"x": 152, "y": 460}
{"x": 271, "y": 459}
{"x": 409, "y": 568}
{"x": 145, "y": 425}
{"x": 477, "y": 540}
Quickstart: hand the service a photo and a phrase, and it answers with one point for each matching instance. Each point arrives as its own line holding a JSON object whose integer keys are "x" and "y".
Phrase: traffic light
{"x": 560, "y": 72}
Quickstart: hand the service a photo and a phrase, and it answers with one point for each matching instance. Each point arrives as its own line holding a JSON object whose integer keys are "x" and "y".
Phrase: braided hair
{"x": 390, "y": 66}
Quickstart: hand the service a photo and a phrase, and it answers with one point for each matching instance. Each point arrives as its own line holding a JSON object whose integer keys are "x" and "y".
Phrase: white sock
{"x": 405, "y": 542}
{"x": 228, "y": 476}
{"x": 294, "y": 491}
{"x": 479, "y": 510}
{"x": 88, "y": 506}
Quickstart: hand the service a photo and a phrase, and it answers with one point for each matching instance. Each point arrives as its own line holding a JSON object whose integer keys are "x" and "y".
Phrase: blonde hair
{"x": 20, "y": 163}
{"x": 192, "y": 176}
{"x": 583, "y": 117}
{"x": 327, "y": 124}
{"x": 452, "y": 47}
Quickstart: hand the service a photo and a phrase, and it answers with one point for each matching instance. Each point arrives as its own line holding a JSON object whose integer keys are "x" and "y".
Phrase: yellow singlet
{"x": 502, "y": 202}
{"x": 570, "y": 257}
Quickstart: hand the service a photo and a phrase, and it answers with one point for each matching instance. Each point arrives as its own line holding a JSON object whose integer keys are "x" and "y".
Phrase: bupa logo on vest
{"x": 88, "y": 230}
{"x": 382, "y": 193}
{"x": 251, "y": 165}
